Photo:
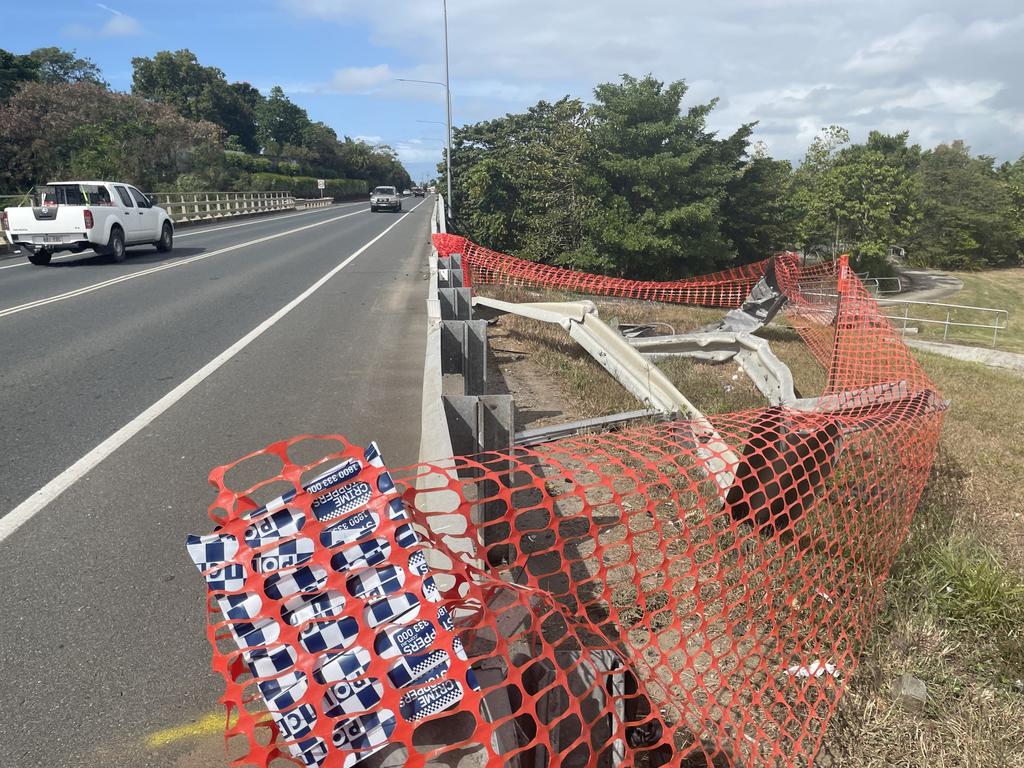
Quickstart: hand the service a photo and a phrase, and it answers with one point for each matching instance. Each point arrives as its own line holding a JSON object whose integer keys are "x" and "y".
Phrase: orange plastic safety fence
{"x": 689, "y": 593}
{"x": 486, "y": 267}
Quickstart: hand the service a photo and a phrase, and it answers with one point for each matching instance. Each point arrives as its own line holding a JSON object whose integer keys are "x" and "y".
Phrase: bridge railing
{"x": 313, "y": 202}
{"x": 204, "y": 206}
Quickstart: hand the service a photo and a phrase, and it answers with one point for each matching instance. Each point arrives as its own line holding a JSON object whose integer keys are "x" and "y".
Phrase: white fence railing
{"x": 313, "y": 202}
{"x": 904, "y": 314}
{"x": 204, "y": 206}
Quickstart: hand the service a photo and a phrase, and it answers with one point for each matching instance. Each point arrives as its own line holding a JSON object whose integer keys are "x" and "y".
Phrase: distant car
{"x": 406, "y": 192}
{"x": 385, "y": 197}
{"x": 75, "y": 215}
{"x": 418, "y": 191}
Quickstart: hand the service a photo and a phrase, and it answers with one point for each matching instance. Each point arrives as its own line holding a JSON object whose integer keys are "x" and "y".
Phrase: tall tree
{"x": 197, "y": 92}
{"x": 82, "y": 129}
{"x": 660, "y": 177}
{"x": 967, "y": 211}
{"x": 280, "y": 121}
{"x": 521, "y": 182}
{"x": 861, "y": 198}
{"x": 59, "y": 66}
{"x": 1012, "y": 175}
{"x": 15, "y": 70}
{"x": 759, "y": 214}
{"x": 817, "y": 194}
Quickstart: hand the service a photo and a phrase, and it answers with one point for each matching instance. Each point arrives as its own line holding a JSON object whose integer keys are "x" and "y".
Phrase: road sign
{"x": 321, "y": 184}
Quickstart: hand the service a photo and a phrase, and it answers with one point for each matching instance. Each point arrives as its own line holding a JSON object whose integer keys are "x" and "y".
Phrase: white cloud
{"x": 360, "y": 79}
{"x": 989, "y": 29}
{"x": 901, "y": 50}
{"x": 117, "y": 24}
{"x": 940, "y": 68}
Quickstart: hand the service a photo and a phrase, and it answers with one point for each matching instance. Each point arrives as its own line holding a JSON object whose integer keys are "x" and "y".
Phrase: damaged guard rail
{"x": 612, "y": 599}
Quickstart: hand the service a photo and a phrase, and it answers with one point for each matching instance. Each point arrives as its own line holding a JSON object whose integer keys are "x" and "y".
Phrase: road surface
{"x": 121, "y": 386}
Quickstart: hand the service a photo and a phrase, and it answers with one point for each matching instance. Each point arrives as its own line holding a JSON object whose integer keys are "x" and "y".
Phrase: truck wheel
{"x": 40, "y": 258}
{"x": 115, "y": 246}
{"x": 166, "y": 241}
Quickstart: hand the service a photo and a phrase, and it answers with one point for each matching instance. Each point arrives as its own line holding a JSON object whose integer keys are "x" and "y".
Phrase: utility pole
{"x": 448, "y": 94}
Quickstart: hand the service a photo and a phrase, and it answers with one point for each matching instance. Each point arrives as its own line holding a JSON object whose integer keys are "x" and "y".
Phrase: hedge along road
{"x": 104, "y": 641}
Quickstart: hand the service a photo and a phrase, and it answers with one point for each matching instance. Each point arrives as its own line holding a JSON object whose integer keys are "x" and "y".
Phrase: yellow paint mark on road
{"x": 204, "y": 726}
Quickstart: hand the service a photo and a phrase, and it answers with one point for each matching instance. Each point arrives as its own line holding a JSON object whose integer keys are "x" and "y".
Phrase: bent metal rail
{"x": 602, "y": 600}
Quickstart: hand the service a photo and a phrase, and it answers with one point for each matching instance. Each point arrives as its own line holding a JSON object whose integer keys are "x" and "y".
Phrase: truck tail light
{"x": 3, "y": 220}
{"x": 88, "y": 219}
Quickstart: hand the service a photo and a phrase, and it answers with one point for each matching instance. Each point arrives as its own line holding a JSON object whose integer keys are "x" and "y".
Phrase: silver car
{"x": 385, "y": 198}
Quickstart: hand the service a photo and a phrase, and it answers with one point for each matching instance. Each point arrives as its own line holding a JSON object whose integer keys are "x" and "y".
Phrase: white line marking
{"x": 189, "y": 232}
{"x": 169, "y": 265}
{"x": 38, "y": 501}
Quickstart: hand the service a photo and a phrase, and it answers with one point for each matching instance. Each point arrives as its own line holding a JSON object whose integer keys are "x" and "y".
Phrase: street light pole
{"x": 448, "y": 94}
{"x": 448, "y": 102}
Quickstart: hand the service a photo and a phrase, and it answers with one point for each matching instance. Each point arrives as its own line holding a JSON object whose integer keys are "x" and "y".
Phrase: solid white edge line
{"x": 8, "y": 311}
{"x": 38, "y": 501}
{"x": 191, "y": 233}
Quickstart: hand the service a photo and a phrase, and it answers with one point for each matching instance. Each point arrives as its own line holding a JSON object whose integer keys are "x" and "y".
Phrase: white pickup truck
{"x": 76, "y": 215}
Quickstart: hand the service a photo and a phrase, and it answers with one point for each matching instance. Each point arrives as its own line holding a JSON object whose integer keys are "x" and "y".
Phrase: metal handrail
{"x": 1000, "y": 323}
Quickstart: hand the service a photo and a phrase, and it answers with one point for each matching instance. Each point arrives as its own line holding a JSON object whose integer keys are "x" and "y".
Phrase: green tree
{"x": 659, "y": 179}
{"x": 15, "y": 70}
{"x": 280, "y": 121}
{"x": 817, "y": 193}
{"x": 861, "y": 198}
{"x": 59, "y": 66}
{"x": 520, "y": 182}
{"x": 198, "y": 93}
{"x": 759, "y": 216}
{"x": 968, "y": 208}
{"x": 1012, "y": 175}
{"x": 82, "y": 129}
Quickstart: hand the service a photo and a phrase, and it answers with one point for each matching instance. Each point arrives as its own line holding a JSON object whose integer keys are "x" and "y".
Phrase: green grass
{"x": 996, "y": 289}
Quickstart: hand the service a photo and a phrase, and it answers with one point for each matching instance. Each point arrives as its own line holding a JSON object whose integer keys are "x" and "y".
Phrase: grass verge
{"x": 997, "y": 289}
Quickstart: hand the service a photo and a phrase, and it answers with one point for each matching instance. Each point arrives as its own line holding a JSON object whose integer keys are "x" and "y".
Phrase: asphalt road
{"x": 103, "y": 652}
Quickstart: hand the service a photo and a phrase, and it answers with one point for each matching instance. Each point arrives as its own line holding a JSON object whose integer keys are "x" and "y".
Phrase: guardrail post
{"x": 480, "y": 423}
{"x": 945, "y": 332}
{"x": 456, "y": 303}
{"x": 450, "y": 278}
{"x": 464, "y": 352}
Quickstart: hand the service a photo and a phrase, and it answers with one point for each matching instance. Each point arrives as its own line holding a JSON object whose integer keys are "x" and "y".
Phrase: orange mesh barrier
{"x": 486, "y": 267}
{"x": 693, "y": 593}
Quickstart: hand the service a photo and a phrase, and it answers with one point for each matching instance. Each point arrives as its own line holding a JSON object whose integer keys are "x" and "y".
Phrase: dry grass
{"x": 954, "y": 609}
{"x": 590, "y": 391}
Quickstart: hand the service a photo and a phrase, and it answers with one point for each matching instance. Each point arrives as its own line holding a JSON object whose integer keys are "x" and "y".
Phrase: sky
{"x": 942, "y": 69}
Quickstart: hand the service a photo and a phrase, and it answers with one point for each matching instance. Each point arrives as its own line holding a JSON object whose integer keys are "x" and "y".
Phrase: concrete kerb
{"x": 448, "y": 309}
{"x": 993, "y": 358}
